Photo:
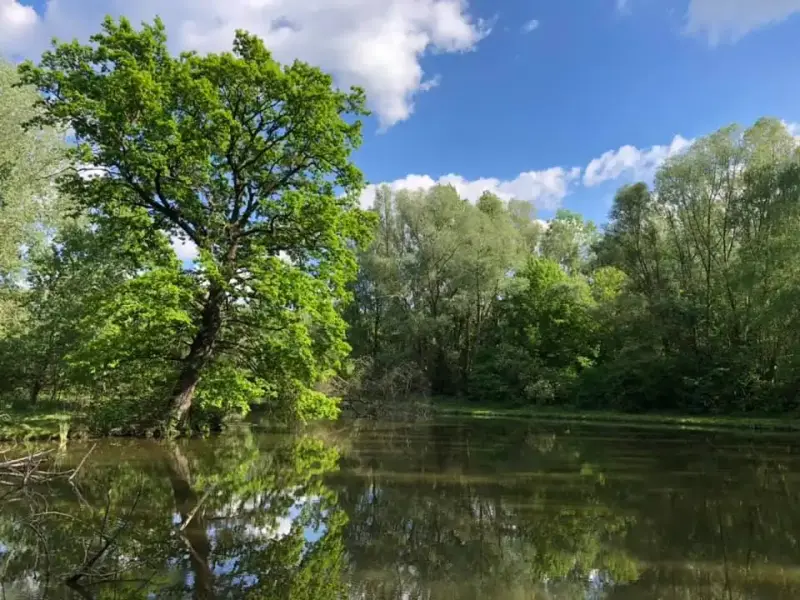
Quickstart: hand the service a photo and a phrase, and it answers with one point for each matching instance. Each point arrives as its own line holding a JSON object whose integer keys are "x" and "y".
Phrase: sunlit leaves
{"x": 245, "y": 158}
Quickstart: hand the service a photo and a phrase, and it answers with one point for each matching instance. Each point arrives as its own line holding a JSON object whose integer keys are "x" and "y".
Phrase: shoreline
{"x": 784, "y": 424}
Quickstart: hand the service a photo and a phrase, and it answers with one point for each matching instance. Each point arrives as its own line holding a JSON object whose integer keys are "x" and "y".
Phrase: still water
{"x": 452, "y": 509}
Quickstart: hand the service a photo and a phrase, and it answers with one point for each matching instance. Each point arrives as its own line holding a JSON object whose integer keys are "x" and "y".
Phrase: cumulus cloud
{"x": 629, "y": 160}
{"x": 376, "y": 44}
{"x": 16, "y": 21}
{"x": 545, "y": 189}
{"x": 530, "y": 26}
{"x": 729, "y": 20}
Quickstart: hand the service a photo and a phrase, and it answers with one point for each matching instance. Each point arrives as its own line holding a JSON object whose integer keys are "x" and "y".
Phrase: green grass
{"x": 22, "y": 426}
{"x": 732, "y": 422}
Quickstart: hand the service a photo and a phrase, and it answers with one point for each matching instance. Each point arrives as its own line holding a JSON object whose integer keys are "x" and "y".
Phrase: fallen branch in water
{"x": 36, "y": 468}
{"x": 80, "y": 464}
{"x": 15, "y": 462}
{"x": 25, "y": 469}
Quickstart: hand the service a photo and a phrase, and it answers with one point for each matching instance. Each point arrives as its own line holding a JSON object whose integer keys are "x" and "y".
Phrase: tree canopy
{"x": 682, "y": 301}
{"x": 243, "y": 158}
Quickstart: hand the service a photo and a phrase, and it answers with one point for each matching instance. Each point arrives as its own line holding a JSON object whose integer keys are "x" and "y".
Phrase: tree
{"x": 544, "y": 334}
{"x": 707, "y": 319}
{"x": 29, "y": 206}
{"x": 569, "y": 240}
{"x": 523, "y": 215}
{"x": 246, "y": 159}
{"x": 633, "y": 240}
{"x": 430, "y": 283}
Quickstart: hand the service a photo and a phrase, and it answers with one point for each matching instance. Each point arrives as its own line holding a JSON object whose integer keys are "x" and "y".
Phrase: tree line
{"x": 116, "y": 150}
{"x": 685, "y": 300}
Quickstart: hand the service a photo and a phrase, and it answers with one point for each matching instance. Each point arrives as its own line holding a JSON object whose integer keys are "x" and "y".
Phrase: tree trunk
{"x": 441, "y": 380}
{"x": 200, "y": 355}
{"x": 36, "y": 388}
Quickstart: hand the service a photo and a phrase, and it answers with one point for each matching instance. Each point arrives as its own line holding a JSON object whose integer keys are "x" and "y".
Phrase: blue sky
{"x": 476, "y": 93}
{"x": 588, "y": 80}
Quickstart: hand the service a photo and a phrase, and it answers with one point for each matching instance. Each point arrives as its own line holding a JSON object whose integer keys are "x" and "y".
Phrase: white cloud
{"x": 729, "y": 20}
{"x": 430, "y": 83}
{"x": 16, "y": 20}
{"x": 545, "y": 188}
{"x": 629, "y": 160}
{"x": 185, "y": 249}
{"x": 530, "y": 26}
{"x": 377, "y": 44}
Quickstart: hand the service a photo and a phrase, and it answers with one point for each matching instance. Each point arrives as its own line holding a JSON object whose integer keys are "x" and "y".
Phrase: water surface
{"x": 451, "y": 508}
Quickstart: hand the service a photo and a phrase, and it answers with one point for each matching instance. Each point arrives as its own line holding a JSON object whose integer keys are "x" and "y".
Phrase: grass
{"x": 18, "y": 426}
{"x": 728, "y": 422}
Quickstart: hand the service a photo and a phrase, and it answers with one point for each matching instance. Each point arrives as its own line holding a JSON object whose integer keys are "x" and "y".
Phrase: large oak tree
{"x": 248, "y": 160}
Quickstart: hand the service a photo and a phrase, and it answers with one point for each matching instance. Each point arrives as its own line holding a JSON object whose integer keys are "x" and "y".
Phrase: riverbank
{"x": 59, "y": 425}
{"x": 789, "y": 423}
{"x": 16, "y": 426}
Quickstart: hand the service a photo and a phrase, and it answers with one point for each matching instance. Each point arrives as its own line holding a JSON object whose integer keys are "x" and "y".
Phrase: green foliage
{"x": 429, "y": 285}
{"x": 245, "y": 159}
{"x": 569, "y": 240}
{"x": 704, "y": 323}
{"x": 29, "y": 204}
{"x": 29, "y": 159}
{"x": 476, "y": 299}
{"x": 685, "y": 301}
{"x": 545, "y": 334}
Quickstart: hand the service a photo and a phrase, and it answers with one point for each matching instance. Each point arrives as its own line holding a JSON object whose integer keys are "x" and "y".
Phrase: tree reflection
{"x": 465, "y": 510}
{"x": 523, "y": 510}
{"x": 227, "y": 519}
{"x": 192, "y": 524}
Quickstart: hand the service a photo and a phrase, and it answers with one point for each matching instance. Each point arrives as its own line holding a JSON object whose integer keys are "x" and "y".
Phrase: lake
{"x": 451, "y": 508}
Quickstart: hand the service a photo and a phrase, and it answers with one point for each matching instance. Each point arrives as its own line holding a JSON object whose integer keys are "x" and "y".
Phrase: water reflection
{"x": 449, "y": 509}
{"x": 514, "y": 510}
{"x": 239, "y": 516}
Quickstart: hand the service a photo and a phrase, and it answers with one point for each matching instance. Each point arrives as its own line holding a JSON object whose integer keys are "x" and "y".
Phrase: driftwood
{"x": 24, "y": 480}
{"x": 35, "y": 468}
{"x": 14, "y": 462}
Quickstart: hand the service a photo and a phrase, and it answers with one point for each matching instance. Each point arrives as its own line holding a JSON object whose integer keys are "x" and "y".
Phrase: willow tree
{"x": 430, "y": 282}
{"x": 29, "y": 158}
{"x": 711, "y": 254}
{"x": 244, "y": 158}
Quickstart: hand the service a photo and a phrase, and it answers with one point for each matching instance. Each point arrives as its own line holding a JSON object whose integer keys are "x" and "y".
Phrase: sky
{"x": 555, "y": 102}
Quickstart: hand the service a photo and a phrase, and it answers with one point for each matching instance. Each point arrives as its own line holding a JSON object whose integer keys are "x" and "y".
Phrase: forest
{"x": 685, "y": 300}
{"x": 116, "y": 151}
